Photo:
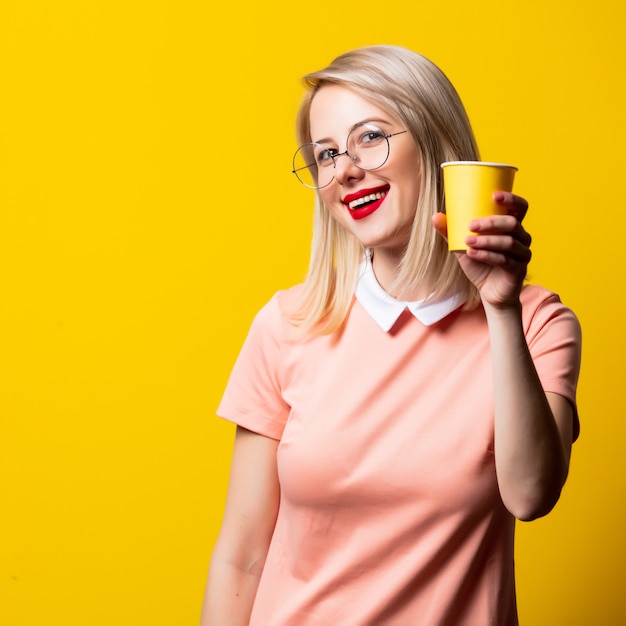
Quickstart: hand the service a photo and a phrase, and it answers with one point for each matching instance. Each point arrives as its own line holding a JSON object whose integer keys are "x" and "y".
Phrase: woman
{"x": 398, "y": 411}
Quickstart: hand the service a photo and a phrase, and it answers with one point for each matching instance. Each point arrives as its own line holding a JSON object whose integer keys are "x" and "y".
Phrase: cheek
{"x": 412, "y": 187}
{"x": 324, "y": 196}
{"x": 334, "y": 206}
{"x": 340, "y": 215}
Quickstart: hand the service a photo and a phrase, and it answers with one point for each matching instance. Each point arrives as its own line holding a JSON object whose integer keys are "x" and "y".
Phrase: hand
{"x": 498, "y": 253}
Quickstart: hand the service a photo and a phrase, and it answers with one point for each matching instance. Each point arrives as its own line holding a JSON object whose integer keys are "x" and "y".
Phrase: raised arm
{"x": 533, "y": 430}
{"x": 249, "y": 519}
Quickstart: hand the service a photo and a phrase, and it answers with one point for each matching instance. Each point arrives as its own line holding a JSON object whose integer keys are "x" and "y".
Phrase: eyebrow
{"x": 367, "y": 120}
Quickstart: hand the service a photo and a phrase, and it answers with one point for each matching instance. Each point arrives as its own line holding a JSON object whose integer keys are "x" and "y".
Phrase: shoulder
{"x": 274, "y": 316}
{"x": 535, "y": 295}
{"x": 280, "y": 304}
{"x": 535, "y": 298}
{"x": 542, "y": 308}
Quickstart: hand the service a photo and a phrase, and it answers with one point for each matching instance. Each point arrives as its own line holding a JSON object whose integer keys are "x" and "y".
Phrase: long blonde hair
{"x": 419, "y": 95}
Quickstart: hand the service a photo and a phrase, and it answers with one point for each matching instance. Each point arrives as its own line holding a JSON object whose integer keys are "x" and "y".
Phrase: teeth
{"x": 365, "y": 199}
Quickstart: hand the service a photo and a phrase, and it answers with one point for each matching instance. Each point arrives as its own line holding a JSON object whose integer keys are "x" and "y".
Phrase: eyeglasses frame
{"x": 387, "y": 136}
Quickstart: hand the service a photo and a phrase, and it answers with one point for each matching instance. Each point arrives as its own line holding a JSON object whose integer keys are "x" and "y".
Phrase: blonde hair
{"x": 419, "y": 95}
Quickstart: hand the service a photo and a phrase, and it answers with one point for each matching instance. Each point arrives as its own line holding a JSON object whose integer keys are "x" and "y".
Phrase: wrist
{"x": 507, "y": 313}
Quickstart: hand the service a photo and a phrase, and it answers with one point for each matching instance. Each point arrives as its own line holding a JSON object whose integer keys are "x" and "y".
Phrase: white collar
{"x": 385, "y": 310}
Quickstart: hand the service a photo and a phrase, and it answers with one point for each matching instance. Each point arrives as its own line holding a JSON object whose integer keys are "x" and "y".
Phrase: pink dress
{"x": 390, "y": 512}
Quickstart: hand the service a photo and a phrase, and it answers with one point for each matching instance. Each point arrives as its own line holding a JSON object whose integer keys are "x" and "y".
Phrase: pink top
{"x": 390, "y": 512}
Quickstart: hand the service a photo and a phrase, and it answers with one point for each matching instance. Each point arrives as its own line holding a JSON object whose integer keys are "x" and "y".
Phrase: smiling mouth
{"x": 365, "y": 200}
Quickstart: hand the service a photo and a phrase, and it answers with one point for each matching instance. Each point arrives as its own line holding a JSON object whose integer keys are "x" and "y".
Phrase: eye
{"x": 371, "y": 138}
{"x": 324, "y": 156}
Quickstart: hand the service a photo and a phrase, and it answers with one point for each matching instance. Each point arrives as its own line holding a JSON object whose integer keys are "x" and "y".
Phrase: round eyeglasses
{"x": 367, "y": 147}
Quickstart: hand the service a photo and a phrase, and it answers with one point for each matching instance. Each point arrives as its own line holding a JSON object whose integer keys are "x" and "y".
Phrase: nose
{"x": 346, "y": 169}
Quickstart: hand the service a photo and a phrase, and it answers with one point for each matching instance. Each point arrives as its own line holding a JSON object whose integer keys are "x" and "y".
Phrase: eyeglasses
{"x": 367, "y": 147}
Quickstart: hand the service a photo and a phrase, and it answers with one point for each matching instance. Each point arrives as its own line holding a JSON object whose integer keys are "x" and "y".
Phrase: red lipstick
{"x": 365, "y": 201}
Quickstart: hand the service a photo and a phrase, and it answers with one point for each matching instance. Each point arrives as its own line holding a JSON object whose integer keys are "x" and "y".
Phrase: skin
{"x": 533, "y": 430}
{"x": 334, "y": 111}
{"x": 247, "y": 527}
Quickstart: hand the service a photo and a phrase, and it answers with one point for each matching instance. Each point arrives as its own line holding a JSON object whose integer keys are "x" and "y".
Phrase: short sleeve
{"x": 252, "y": 398}
{"x": 554, "y": 339}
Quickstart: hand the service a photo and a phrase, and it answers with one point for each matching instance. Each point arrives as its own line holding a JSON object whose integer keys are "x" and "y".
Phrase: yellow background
{"x": 147, "y": 211}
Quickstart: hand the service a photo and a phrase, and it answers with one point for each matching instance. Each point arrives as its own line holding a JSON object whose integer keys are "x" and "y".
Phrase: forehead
{"x": 335, "y": 110}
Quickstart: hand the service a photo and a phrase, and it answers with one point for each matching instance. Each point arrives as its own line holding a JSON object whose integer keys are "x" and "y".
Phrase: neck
{"x": 386, "y": 269}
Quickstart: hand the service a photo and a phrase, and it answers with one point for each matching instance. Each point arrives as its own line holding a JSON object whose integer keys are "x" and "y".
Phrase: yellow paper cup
{"x": 468, "y": 187}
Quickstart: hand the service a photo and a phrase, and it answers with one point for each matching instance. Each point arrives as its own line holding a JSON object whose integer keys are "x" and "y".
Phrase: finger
{"x": 440, "y": 222}
{"x": 501, "y": 225}
{"x": 499, "y": 251}
{"x": 503, "y": 246}
{"x": 495, "y": 259}
{"x": 516, "y": 205}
